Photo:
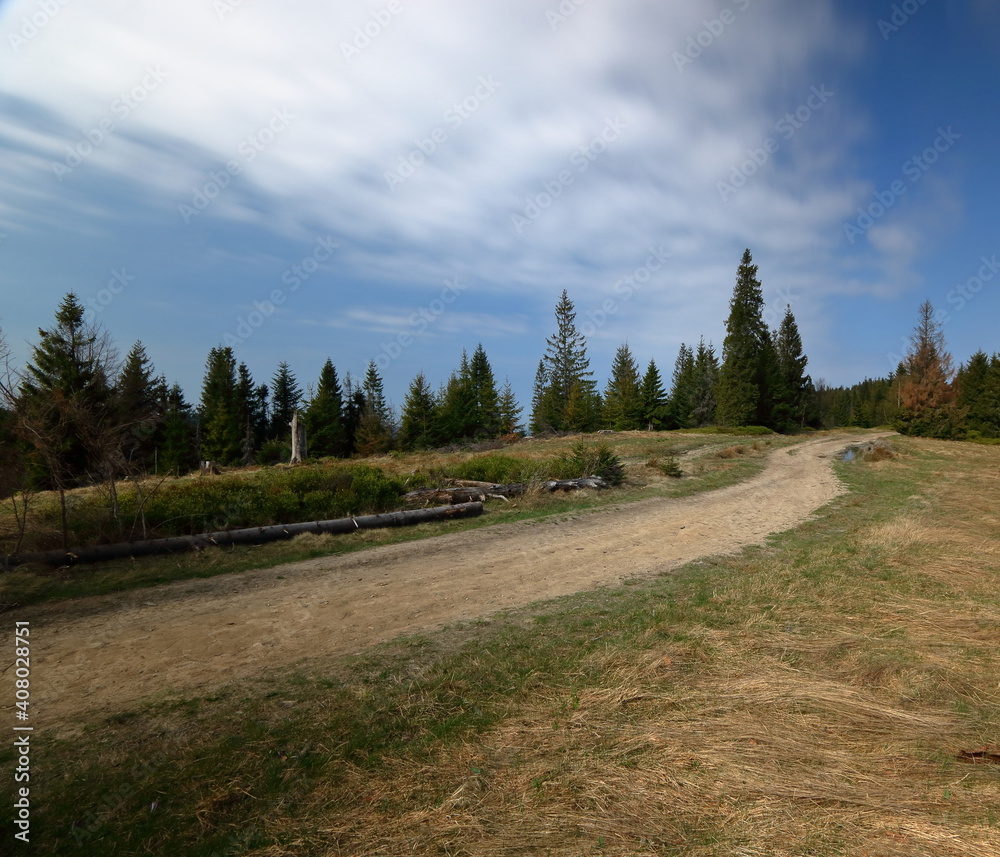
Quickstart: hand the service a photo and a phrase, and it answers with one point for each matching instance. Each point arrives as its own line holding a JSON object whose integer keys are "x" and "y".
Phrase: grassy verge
{"x": 818, "y": 696}
{"x": 706, "y": 465}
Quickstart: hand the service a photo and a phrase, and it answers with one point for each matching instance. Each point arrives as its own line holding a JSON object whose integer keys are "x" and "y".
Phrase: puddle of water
{"x": 847, "y": 455}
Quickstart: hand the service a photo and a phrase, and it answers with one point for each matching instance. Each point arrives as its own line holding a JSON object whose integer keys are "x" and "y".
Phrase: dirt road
{"x": 196, "y": 634}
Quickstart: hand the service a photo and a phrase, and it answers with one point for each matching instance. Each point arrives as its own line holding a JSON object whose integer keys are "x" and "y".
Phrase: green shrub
{"x": 738, "y": 431}
{"x": 668, "y": 466}
{"x": 262, "y": 498}
{"x": 586, "y": 460}
{"x": 499, "y": 469}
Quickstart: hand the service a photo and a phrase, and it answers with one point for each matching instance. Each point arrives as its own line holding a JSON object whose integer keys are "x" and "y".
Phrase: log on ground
{"x": 248, "y": 536}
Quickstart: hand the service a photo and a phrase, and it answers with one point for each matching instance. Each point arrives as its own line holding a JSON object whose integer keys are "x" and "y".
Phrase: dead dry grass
{"x": 836, "y": 693}
{"x": 840, "y": 733}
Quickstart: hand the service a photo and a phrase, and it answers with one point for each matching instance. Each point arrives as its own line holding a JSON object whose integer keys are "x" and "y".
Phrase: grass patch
{"x": 811, "y": 697}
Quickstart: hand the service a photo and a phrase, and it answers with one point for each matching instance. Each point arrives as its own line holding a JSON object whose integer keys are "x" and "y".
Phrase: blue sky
{"x": 398, "y": 181}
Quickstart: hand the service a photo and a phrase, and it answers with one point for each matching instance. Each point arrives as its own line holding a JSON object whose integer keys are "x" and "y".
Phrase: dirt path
{"x": 195, "y": 634}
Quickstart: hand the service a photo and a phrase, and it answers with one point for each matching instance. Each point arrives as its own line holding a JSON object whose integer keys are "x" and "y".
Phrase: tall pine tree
{"x": 509, "y": 410}
{"x": 569, "y": 400}
{"x": 485, "y": 399}
{"x": 978, "y": 385}
{"x": 793, "y": 393}
{"x": 65, "y": 401}
{"x": 419, "y": 423}
{"x": 654, "y": 398}
{"x": 682, "y": 390}
{"x": 927, "y": 396}
{"x": 140, "y": 402}
{"x": 178, "y": 450}
{"x": 221, "y": 429}
{"x": 286, "y": 396}
{"x": 324, "y": 417}
{"x": 623, "y": 395}
{"x": 743, "y": 391}
{"x": 706, "y": 378}
{"x": 374, "y": 433}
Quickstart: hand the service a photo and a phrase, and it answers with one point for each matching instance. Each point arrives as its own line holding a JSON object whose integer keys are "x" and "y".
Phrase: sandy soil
{"x": 104, "y": 654}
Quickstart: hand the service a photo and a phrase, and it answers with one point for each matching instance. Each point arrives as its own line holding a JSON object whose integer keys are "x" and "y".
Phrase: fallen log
{"x": 468, "y": 491}
{"x": 249, "y": 536}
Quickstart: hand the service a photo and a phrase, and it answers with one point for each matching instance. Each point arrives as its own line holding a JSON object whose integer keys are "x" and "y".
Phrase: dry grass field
{"x": 833, "y": 692}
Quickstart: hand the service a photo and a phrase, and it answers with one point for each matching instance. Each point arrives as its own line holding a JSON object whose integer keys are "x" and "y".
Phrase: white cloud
{"x": 656, "y": 182}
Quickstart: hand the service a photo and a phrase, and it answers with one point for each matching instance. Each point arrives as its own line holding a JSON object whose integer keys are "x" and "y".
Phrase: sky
{"x": 398, "y": 181}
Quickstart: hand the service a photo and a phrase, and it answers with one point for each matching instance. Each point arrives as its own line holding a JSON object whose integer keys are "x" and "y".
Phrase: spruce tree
{"x": 178, "y": 450}
{"x": 742, "y": 395}
{"x": 65, "y": 399}
{"x": 324, "y": 417}
{"x": 978, "y": 391}
{"x": 793, "y": 390}
{"x": 457, "y": 399}
{"x": 221, "y": 429}
{"x": 419, "y": 422}
{"x": 354, "y": 406}
{"x": 374, "y": 432}
{"x": 706, "y": 375}
{"x": 569, "y": 401}
{"x": 485, "y": 399}
{"x": 286, "y": 396}
{"x": 252, "y": 410}
{"x": 927, "y": 396}
{"x": 654, "y": 398}
{"x": 623, "y": 409}
{"x": 510, "y": 411}
{"x": 140, "y": 403}
{"x": 680, "y": 407}
{"x": 543, "y": 405}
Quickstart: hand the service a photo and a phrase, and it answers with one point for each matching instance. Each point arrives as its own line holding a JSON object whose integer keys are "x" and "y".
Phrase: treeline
{"x": 760, "y": 379}
{"x": 77, "y": 415}
{"x": 926, "y": 395}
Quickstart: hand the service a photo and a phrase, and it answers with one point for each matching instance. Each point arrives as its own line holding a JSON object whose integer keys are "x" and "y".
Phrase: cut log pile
{"x": 467, "y": 491}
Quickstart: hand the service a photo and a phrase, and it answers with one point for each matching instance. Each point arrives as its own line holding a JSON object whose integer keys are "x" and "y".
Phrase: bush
{"x": 600, "y": 460}
{"x": 274, "y": 452}
{"x": 262, "y": 498}
{"x": 669, "y": 466}
{"x": 498, "y": 469}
